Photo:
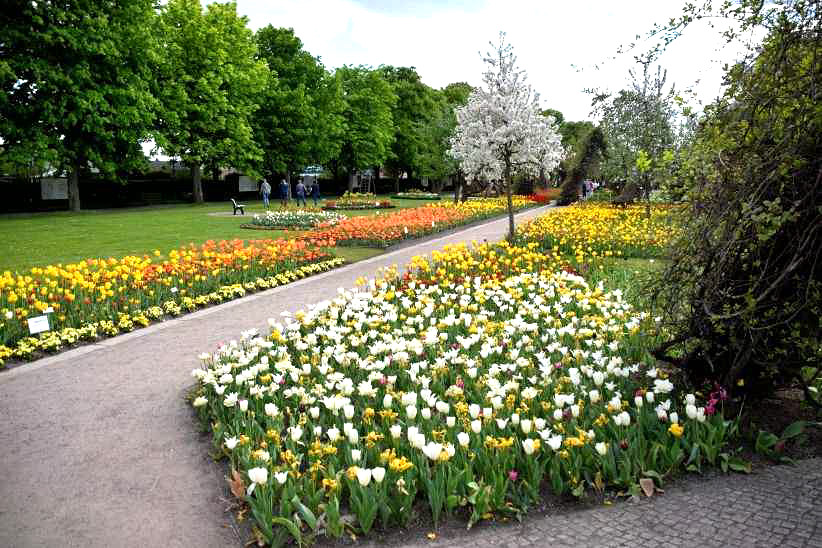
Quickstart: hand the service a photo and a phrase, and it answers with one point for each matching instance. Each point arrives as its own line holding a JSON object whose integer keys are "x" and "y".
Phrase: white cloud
{"x": 442, "y": 39}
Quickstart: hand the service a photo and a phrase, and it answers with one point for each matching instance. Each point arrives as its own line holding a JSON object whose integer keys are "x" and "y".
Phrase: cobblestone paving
{"x": 777, "y": 506}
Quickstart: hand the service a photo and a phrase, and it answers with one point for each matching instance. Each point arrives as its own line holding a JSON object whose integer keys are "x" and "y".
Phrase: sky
{"x": 558, "y": 43}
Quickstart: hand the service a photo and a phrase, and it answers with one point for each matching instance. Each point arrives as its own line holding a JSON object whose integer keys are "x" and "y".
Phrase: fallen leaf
{"x": 237, "y": 485}
{"x": 431, "y": 536}
{"x": 647, "y": 485}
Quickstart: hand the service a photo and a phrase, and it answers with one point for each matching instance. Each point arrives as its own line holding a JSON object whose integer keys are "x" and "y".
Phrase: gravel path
{"x": 99, "y": 448}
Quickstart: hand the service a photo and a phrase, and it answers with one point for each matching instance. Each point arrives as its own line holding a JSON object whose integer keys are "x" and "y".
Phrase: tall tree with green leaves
{"x": 413, "y": 112}
{"x": 75, "y": 83}
{"x": 299, "y": 122}
{"x": 209, "y": 82}
{"x": 369, "y": 126}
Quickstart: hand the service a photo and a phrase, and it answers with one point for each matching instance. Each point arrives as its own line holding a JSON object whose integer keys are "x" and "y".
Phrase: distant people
{"x": 584, "y": 188}
{"x": 265, "y": 190}
{"x": 301, "y": 193}
{"x": 315, "y": 191}
{"x": 284, "y": 193}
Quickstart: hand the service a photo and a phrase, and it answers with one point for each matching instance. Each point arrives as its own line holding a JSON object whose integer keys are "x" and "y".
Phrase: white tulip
{"x": 463, "y": 439}
{"x": 387, "y": 401}
{"x": 231, "y": 442}
{"x": 593, "y": 395}
{"x": 690, "y": 399}
{"x": 364, "y": 476}
{"x": 601, "y": 448}
{"x": 557, "y": 414}
{"x": 243, "y": 405}
{"x": 353, "y": 436}
{"x": 515, "y": 419}
{"x": 396, "y": 431}
{"x": 474, "y": 410}
{"x": 575, "y": 410}
{"x": 378, "y": 474}
{"x": 281, "y": 477}
{"x": 432, "y": 450}
{"x": 200, "y": 401}
{"x": 649, "y": 396}
{"x": 525, "y": 424}
{"x": 333, "y": 434}
{"x": 314, "y": 412}
{"x": 690, "y": 410}
{"x": 528, "y": 446}
{"x": 258, "y": 476}
{"x": 271, "y": 410}
{"x": 348, "y": 411}
{"x": 426, "y": 413}
{"x": 411, "y": 412}
{"x": 555, "y": 442}
{"x": 638, "y": 401}
{"x": 356, "y": 454}
{"x": 476, "y": 426}
{"x": 296, "y": 433}
{"x": 450, "y": 421}
{"x": 674, "y": 417}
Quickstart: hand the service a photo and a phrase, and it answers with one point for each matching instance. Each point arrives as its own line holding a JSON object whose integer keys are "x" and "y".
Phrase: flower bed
{"x": 103, "y": 297}
{"x": 385, "y": 230}
{"x": 356, "y": 200}
{"x": 416, "y": 195}
{"x": 470, "y": 383}
{"x": 599, "y": 230}
{"x": 294, "y": 219}
{"x": 546, "y": 195}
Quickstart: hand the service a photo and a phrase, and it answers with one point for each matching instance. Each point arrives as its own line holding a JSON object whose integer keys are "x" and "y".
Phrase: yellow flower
{"x": 676, "y": 429}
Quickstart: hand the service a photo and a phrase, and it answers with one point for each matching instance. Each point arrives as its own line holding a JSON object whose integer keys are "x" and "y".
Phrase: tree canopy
{"x": 208, "y": 85}
{"x": 76, "y": 84}
{"x": 501, "y": 131}
{"x": 299, "y": 121}
{"x": 369, "y": 127}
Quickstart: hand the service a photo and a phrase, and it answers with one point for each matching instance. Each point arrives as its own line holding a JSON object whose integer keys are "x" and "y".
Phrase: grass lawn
{"x": 40, "y": 239}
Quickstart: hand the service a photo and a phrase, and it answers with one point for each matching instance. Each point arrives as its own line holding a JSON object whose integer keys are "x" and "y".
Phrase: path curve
{"x": 98, "y": 446}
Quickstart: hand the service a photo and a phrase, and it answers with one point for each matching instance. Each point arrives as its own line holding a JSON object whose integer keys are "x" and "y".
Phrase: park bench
{"x": 237, "y": 206}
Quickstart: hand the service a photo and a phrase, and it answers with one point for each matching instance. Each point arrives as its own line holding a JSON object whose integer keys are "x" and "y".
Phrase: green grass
{"x": 629, "y": 275}
{"x": 40, "y": 239}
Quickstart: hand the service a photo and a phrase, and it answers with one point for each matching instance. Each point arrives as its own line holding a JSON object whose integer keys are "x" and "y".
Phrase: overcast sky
{"x": 443, "y": 38}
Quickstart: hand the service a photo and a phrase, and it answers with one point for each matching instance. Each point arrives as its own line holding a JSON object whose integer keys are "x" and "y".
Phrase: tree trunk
{"x": 507, "y": 179}
{"x": 396, "y": 182}
{"x": 74, "y": 187}
{"x": 351, "y": 176}
{"x": 197, "y": 184}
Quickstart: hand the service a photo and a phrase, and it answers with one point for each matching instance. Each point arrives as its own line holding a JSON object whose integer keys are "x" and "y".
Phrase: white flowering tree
{"x": 501, "y": 132}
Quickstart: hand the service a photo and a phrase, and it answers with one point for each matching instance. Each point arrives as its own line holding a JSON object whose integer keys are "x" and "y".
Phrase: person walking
{"x": 284, "y": 193}
{"x": 315, "y": 191}
{"x": 301, "y": 193}
{"x": 265, "y": 190}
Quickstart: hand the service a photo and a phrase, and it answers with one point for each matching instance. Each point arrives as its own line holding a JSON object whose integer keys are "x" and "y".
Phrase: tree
{"x": 413, "y": 113}
{"x": 209, "y": 84}
{"x": 742, "y": 296}
{"x": 592, "y": 149}
{"x": 636, "y": 121}
{"x": 369, "y": 127}
{"x": 75, "y": 84}
{"x": 501, "y": 131}
{"x": 299, "y": 122}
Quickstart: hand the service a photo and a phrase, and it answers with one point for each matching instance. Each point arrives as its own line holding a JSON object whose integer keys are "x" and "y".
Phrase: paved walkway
{"x": 99, "y": 448}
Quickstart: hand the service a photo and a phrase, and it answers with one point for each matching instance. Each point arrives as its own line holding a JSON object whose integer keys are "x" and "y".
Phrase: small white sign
{"x": 48, "y": 310}
{"x": 38, "y": 324}
{"x": 174, "y": 290}
{"x": 54, "y": 188}
{"x": 247, "y": 184}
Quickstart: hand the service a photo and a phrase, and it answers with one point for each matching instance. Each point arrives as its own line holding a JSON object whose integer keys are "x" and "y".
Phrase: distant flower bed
{"x": 357, "y": 200}
{"x": 385, "y": 230}
{"x": 294, "y": 219}
{"x": 103, "y": 297}
{"x": 545, "y": 195}
{"x": 416, "y": 195}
